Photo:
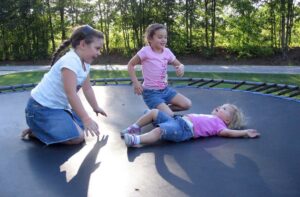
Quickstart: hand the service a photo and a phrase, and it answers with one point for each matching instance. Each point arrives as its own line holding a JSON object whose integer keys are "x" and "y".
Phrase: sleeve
{"x": 171, "y": 56}
{"x": 70, "y": 64}
{"x": 219, "y": 128}
{"x": 142, "y": 53}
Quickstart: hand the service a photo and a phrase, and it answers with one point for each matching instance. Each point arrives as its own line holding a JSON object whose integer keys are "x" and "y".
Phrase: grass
{"x": 36, "y": 76}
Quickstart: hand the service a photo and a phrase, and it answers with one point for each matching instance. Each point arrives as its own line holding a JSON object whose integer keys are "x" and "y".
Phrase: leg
{"x": 151, "y": 137}
{"x": 147, "y": 138}
{"x": 142, "y": 121}
{"x": 27, "y": 134}
{"x": 180, "y": 103}
{"x": 165, "y": 108}
{"x": 53, "y": 125}
{"x": 147, "y": 118}
{"x": 77, "y": 140}
{"x": 164, "y": 123}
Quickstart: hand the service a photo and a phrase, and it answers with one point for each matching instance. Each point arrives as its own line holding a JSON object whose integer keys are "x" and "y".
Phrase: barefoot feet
{"x": 27, "y": 134}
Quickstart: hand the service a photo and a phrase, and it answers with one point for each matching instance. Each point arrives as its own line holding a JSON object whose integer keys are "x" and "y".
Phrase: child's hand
{"x": 252, "y": 133}
{"x": 90, "y": 126}
{"x": 100, "y": 111}
{"x": 138, "y": 88}
{"x": 180, "y": 70}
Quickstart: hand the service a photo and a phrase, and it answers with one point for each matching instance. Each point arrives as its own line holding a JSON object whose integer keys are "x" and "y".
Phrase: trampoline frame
{"x": 291, "y": 92}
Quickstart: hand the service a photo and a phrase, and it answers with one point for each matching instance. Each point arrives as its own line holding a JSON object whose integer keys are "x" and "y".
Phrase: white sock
{"x": 137, "y": 139}
{"x": 136, "y": 126}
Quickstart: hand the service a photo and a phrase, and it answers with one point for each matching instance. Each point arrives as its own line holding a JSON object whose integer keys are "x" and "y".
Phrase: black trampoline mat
{"x": 267, "y": 166}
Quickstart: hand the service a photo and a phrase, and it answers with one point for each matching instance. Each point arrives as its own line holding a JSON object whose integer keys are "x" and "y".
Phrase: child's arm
{"x": 90, "y": 97}
{"x": 179, "y": 67}
{"x": 251, "y": 133}
{"x": 69, "y": 81}
{"x": 138, "y": 89}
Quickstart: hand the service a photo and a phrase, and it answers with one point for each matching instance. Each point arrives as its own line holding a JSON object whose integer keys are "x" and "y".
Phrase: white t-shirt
{"x": 50, "y": 91}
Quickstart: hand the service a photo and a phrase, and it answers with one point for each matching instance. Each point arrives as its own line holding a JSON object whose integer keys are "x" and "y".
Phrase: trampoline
{"x": 267, "y": 166}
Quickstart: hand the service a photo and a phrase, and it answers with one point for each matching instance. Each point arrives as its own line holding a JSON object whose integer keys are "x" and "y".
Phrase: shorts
{"x": 153, "y": 98}
{"x": 52, "y": 125}
{"x": 173, "y": 128}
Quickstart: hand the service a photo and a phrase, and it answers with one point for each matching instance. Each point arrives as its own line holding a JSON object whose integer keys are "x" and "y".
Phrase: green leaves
{"x": 31, "y": 30}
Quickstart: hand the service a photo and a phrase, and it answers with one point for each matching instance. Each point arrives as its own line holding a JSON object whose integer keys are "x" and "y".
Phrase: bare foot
{"x": 27, "y": 134}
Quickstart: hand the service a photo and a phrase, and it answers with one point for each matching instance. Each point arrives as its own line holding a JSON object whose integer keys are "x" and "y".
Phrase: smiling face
{"x": 89, "y": 52}
{"x": 159, "y": 40}
{"x": 224, "y": 112}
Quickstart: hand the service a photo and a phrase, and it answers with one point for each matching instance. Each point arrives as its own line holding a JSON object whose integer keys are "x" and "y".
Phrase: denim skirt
{"x": 153, "y": 98}
{"x": 52, "y": 125}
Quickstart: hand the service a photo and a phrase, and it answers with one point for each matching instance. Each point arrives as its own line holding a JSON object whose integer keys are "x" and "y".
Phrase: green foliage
{"x": 31, "y": 30}
{"x": 252, "y": 51}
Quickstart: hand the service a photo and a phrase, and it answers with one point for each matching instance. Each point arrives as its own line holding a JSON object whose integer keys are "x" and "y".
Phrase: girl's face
{"x": 224, "y": 112}
{"x": 91, "y": 51}
{"x": 159, "y": 40}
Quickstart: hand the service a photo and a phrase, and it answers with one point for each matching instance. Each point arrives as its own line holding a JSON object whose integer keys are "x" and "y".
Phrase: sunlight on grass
{"x": 35, "y": 77}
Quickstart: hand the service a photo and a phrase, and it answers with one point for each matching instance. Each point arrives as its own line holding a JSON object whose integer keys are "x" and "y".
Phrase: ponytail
{"x": 84, "y": 32}
{"x": 58, "y": 51}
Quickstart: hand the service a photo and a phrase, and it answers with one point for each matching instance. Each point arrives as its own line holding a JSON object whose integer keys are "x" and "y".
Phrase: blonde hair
{"x": 238, "y": 119}
{"x": 151, "y": 29}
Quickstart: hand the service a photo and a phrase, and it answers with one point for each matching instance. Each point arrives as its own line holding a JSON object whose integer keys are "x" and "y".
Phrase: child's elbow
{"x": 130, "y": 66}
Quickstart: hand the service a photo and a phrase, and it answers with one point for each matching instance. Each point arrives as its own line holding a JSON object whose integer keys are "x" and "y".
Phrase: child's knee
{"x": 77, "y": 140}
{"x": 171, "y": 113}
{"x": 187, "y": 104}
{"x": 154, "y": 113}
{"x": 158, "y": 131}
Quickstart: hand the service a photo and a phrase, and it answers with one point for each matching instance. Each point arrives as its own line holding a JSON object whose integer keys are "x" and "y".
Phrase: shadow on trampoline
{"x": 57, "y": 173}
{"x": 207, "y": 175}
{"x": 267, "y": 166}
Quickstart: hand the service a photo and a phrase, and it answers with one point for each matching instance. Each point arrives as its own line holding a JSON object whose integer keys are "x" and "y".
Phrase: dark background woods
{"x": 200, "y": 31}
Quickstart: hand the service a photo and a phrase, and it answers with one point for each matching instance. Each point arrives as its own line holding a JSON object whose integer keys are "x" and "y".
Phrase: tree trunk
{"x": 62, "y": 19}
{"x": 213, "y": 25}
{"x": 187, "y": 11}
{"x": 283, "y": 28}
{"x": 5, "y": 50}
{"x": 273, "y": 24}
{"x": 106, "y": 26}
{"x": 289, "y": 25}
{"x": 192, "y": 11}
{"x": 124, "y": 24}
{"x": 206, "y": 23}
{"x": 51, "y": 26}
{"x": 101, "y": 21}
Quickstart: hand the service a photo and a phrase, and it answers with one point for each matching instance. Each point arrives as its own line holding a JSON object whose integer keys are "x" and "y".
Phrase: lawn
{"x": 35, "y": 77}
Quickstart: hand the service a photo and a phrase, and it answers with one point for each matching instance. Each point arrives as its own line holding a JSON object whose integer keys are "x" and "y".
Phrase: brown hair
{"x": 84, "y": 32}
{"x": 151, "y": 29}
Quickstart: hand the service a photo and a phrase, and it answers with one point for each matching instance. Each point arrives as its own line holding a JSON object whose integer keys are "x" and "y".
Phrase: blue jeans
{"x": 52, "y": 125}
{"x": 153, "y": 98}
{"x": 173, "y": 128}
